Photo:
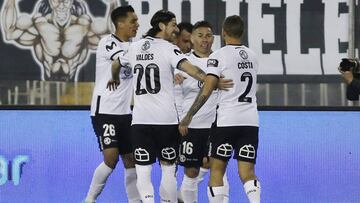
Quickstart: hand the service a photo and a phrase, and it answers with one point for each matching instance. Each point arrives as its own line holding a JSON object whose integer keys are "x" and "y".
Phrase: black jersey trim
{"x": 179, "y": 63}
{"x": 117, "y": 38}
{"x": 112, "y": 56}
{"x": 213, "y": 75}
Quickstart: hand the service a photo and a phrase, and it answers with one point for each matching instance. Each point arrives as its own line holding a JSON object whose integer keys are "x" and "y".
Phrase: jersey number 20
{"x": 155, "y": 80}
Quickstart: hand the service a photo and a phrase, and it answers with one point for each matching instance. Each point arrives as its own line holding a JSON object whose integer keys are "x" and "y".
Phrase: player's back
{"x": 153, "y": 61}
{"x": 105, "y": 101}
{"x": 238, "y": 107}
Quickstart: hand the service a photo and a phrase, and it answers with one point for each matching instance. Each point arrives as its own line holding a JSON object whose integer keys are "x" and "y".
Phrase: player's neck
{"x": 232, "y": 41}
{"x": 122, "y": 36}
{"x": 201, "y": 55}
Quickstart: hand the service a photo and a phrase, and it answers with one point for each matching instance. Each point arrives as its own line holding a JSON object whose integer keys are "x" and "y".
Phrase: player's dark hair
{"x": 185, "y": 26}
{"x": 160, "y": 16}
{"x": 234, "y": 26}
{"x": 120, "y": 13}
{"x": 202, "y": 23}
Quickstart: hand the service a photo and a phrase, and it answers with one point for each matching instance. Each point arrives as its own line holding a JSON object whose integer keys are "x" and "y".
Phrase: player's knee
{"x": 192, "y": 172}
{"x": 111, "y": 161}
{"x": 128, "y": 160}
{"x": 206, "y": 162}
{"x": 246, "y": 175}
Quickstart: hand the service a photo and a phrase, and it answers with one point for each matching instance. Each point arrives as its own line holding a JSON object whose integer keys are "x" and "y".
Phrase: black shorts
{"x": 241, "y": 139}
{"x": 155, "y": 141}
{"x": 194, "y": 147}
{"x": 113, "y": 131}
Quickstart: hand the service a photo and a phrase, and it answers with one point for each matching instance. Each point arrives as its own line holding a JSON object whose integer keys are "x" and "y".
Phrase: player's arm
{"x": 198, "y": 74}
{"x": 210, "y": 84}
{"x": 114, "y": 82}
{"x": 192, "y": 70}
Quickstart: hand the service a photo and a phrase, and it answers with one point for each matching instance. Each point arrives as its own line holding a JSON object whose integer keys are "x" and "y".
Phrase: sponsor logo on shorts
{"x": 107, "y": 140}
{"x": 224, "y": 150}
{"x": 141, "y": 155}
{"x": 182, "y": 158}
{"x": 247, "y": 151}
{"x": 168, "y": 153}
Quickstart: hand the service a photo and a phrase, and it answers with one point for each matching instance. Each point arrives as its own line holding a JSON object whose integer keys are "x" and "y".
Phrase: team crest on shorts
{"x": 247, "y": 151}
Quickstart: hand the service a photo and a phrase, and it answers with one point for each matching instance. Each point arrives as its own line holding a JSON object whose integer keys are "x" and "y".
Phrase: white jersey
{"x": 153, "y": 61}
{"x": 237, "y": 107}
{"x": 104, "y": 101}
{"x": 190, "y": 90}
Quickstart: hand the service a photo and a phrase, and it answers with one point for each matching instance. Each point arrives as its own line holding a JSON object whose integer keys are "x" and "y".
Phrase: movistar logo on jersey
{"x": 212, "y": 63}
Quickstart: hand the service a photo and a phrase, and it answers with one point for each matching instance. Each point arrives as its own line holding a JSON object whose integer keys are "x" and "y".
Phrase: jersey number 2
{"x": 155, "y": 81}
{"x": 243, "y": 97}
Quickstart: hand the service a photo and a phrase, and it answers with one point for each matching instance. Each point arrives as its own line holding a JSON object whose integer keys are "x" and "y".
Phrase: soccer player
{"x": 194, "y": 146}
{"x": 183, "y": 37}
{"x": 155, "y": 121}
{"x": 183, "y": 41}
{"x": 110, "y": 110}
{"x": 237, "y": 116}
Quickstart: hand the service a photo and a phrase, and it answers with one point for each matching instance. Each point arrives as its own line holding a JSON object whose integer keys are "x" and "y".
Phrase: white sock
{"x": 101, "y": 174}
{"x": 226, "y": 189}
{"x": 189, "y": 189}
{"x": 253, "y": 189}
{"x": 143, "y": 183}
{"x": 216, "y": 194}
{"x": 130, "y": 186}
{"x": 168, "y": 192}
{"x": 202, "y": 173}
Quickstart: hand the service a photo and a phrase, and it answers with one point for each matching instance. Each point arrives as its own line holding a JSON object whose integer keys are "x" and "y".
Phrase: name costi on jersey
{"x": 153, "y": 61}
{"x": 237, "y": 107}
{"x": 104, "y": 101}
{"x": 190, "y": 89}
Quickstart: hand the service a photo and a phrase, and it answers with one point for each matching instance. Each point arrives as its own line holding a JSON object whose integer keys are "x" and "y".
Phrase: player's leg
{"x": 217, "y": 192}
{"x": 251, "y": 183}
{"x": 108, "y": 146}
{"x": 145, "y": 155}
{"x": 130, "y": 178}
{"x": 246, "y": 153}
{"x": 127, "y": 156}
{"x": 167, "y": 139}
{"x": 192, "y": 151}
{"x": 220, "y": 152}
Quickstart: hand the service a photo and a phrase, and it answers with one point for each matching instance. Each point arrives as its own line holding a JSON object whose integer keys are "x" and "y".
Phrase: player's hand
{"x": 347, "y": 75}
{"x": 113, "y": 84}
{"x": 225, "y": 84}
{"x": 184, "y": 124}
{"x": 179, "y": 78}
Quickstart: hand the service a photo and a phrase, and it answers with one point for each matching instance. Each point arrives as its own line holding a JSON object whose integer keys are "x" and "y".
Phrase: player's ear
{"x": 162, "y": 26}
{"x": 223, "y": 33}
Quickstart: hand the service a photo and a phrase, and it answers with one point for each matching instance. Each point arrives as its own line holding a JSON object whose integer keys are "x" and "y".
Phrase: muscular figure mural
{"x": 59, "y": 33}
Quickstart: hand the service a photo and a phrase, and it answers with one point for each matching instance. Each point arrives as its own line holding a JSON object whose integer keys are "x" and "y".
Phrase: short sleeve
{"x": 213, "y": 66}
{"x": 176, "y": 56}
{"x": 112, "y": 50}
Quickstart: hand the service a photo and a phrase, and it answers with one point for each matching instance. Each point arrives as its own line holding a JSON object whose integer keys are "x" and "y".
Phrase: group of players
{"x": 217, "y": 108}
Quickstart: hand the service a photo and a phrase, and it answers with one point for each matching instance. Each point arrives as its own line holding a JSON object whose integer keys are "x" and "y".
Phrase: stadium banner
{"x": 303, "y": 156}
{"x": 56, "y": 40}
